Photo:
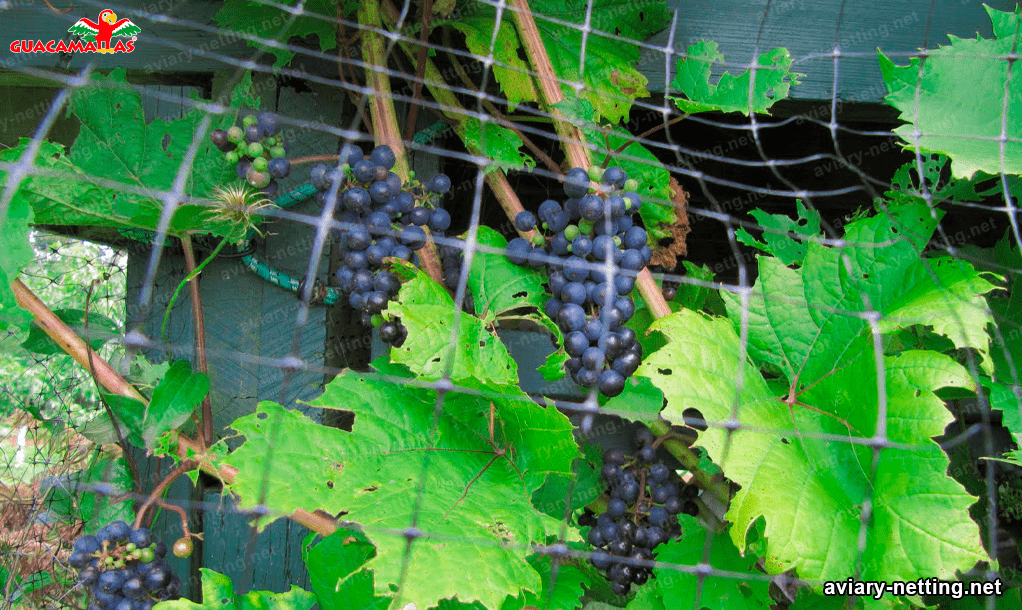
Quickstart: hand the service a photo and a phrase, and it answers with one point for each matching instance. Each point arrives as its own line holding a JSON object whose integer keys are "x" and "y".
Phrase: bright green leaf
{"x": 731, "y": 93}
{"x": 218, "y": 594}
{"x": 432, "y": 350}
{"x": 336, "y": 575}
{"x": 962, "y": 122}
{"x": 562, "y": 589}
{"x": 779, "y": 233}
{"x": 499, "y": 144}
{"x": 405, "y": 463}
{"x": 498, "y": 285}
{"x": 15, "y": 251}
{"x": 509, "y": 69}
{"x": 173, "y": 400}
{"x": 913, "y": 499}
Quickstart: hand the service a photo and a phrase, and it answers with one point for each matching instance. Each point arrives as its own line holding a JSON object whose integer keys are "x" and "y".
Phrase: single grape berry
{"x": 183, "y": 547}
{"x": 279, "y": 167}
{"x": 440, "y": 184}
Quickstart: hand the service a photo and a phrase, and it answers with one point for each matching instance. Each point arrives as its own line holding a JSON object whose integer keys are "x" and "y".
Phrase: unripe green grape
{"x": 595, "y": 173}
{"x": 130, "y": 547}
{"x": 183, "y": 547}
{"x": 571, "y": 232}
{"x": 537, "y": 240}
{"x": 278, "y": 151}
{"x": 630, "y": 185}
{"x": 260, "y": 164}
{"x": 146, "y": 555}
{"x": 585, "y": 226}
{"x": 235, "y": 134}
{"x": 270, "y": 141}
{"x": 232, "y": 157}
{"x": 255, "y": 149}
{"x": 377, "y": 319}
{"x": 249, "y": 120}
{"x": 617, "y": 241}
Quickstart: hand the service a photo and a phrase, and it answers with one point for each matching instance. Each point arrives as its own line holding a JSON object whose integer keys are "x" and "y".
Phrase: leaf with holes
{"x": 731, "y": 93}
{"x": 678, "y": 589}
{"x": 116, "y": 143}
{"x": 499, "y": 286}
{"x": 432, "y": 350}
{"x": 405, "y": 462}
{"x": 563, "y": 586}
{"x": 218, "y": 594}
{"x": 964, "y": 123}
{"x": 816, "y": 463}
{"x": 785, "y": 238}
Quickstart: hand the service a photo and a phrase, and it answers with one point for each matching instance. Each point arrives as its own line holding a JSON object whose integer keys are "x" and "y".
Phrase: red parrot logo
{"x": 100, "y": 32}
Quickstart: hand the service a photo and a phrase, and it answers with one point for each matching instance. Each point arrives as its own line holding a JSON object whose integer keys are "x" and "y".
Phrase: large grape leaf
{"x": 610, "y": 81}
{"x": 796, "y": 469}
{"x": 117, "y": 146}
{"x": 801, "y": 322}
{"x": 406, "y": 464}
{"x": 432, "y": 350}
{"x": 657, "y": 209}
{"x": 218, "y": 594}
{"x": 678, "y": 589}
{"x": 15, "y": 253}
{"x": 731, "y": 93}
{"x": 261, "y": 22}
{"x": 963, "y": 122}
{"x": 498, "y": 285}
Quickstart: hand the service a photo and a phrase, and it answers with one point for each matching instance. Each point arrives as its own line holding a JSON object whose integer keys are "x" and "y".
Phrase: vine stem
{"x": 314, "y": 159}
{"x": 187, "y": 448}
{"x": 550, "y": 90}
{"x": 162, "y": 486}
{"x": 198, "y": 322}
{"x": 188, "y": 278}
{"x": 385, "y": 126}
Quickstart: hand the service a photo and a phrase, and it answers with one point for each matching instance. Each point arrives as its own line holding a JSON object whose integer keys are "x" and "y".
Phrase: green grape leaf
{"x": 218, "y": 594}
{"x": 678, "y": 589}
{"x": 430, "y": 350}
{"x": 405, "y": 463}
{"x": 657, "y": 209}
{"x": 958, "y": 121}
{"x": 553, "y": 368}
{"x": 101, "y": 329}
{"x": 15, "y": 251}
{"x": 703, "y": 367}
{"x": 116, "y": 143}
{"x": 499, "y": 286}
{"x": 780, "y": 231}
{"x": 731, "y": 93}
{"x": 174, "y": 399}
{"x": 336, "y": 575}
{"x": 497, "y": 143}
{"x": 265, "y": 22}
{"x": 509, "y": 69}
{"x": 693, "y": 296}
{"x": 563, "y": 586}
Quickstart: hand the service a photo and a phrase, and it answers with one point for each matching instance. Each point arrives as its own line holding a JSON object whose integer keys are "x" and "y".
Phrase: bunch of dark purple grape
{"x": 645, "y": 498}
{"x": 594, "y": 252}
{"x": 122, "y": 568}
{"x": 257, "y": 149}
{"x": 382, "y": 217}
